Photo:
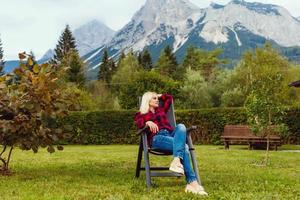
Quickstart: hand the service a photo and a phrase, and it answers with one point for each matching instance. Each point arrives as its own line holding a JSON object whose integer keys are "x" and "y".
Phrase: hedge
{"x": 117, "y": 127}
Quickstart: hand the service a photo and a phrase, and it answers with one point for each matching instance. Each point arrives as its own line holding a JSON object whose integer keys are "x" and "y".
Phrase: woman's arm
{"x": 139, "y": 120}
{"x": 167, "y": 99}
{"x": 142, "y": 120}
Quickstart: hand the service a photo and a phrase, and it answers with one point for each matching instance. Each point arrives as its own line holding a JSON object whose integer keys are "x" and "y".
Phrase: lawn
{"x": 107, "y": 172}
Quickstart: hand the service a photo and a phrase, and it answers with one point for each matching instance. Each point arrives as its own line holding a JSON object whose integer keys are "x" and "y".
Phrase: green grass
{"x": 107, "y": 172}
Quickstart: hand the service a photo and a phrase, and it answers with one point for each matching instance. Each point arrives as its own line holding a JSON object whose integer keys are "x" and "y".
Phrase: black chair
{"x": 145, "y": 149}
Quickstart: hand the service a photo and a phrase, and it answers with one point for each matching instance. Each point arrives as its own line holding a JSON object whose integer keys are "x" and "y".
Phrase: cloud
{"x": 36, "y": 24}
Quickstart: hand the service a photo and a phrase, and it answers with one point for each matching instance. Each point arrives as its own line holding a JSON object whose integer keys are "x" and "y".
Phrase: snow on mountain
{"x": 270, "y": 21}
{"x": 235, "y": 27}
{"x": 92, "y": 35}
{"x": 47, "y": 56}
{"x": 154, "y": 21}
{"x": 88, "y": 37}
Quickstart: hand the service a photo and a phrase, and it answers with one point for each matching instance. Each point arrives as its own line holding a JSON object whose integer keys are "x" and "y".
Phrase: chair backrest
{"x": 170, "y": 113}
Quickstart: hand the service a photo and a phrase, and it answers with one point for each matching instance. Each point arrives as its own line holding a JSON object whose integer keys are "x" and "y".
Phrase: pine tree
{"x": 107, "y": 68}
{"x": 1, "y": 60}
{"x": 75, "y": 68}
{"x": 139, "y": 58}
{"x": 191, "y": 59}
{"x": 169, "y": 53}
{"x": 126, "y": 71}
{"x": 104, "y": 67}
{"x": 121, "y": 58}
{"x": 167, "y": 64}
{"x": 145, "y": 60}
{"x": 65, "y": 44}
{"x": 205, "y": 61}
{"x": 209, "y": 61}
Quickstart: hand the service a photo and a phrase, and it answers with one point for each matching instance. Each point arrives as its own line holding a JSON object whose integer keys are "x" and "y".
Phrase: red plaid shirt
{"x": 158, "y": 117}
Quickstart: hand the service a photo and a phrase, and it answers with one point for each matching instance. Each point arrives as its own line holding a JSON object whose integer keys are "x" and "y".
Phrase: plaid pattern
{"x": 159, "y": 117}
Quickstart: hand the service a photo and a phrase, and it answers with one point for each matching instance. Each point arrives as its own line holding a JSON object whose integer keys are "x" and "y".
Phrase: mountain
{"x": 47, "y": 56}
{"x": 298, "y": 18}
{"x": 235, "y": 27}
{"x": 92, "y": 35}
{"x": 10, "y": 65}
{"x": 88, "y": 37}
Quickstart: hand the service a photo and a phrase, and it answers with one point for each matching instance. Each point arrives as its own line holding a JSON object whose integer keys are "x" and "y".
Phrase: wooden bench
{"x": 241, "y": 134}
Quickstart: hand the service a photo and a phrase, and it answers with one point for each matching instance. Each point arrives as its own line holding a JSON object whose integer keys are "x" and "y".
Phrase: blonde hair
{"x": 144, "y": 108}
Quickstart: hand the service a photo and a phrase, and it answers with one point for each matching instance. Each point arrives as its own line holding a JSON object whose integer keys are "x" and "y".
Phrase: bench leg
{"x": 226, "y": 145}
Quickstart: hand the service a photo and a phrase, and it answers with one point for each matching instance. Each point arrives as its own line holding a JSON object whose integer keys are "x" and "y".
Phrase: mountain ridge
{"x": 180, "y": 24}
{"x": 235, "y": 27}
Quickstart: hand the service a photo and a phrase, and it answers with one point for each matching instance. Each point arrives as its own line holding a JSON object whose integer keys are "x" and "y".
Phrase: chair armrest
{"x": 190, "y": 129}
{"x": 142, "y": 130}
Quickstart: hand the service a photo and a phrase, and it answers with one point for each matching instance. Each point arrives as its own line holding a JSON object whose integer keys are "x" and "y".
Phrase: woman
{"x": 162, "y": 136}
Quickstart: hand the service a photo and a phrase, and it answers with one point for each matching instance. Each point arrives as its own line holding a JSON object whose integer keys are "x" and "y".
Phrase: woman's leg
{"x": 163, "y": 141}
{"x": 169, "y": 142}
{"x": 181, "y": 150}
{"x": 179, "y": 135}
{"x": 188, "y": 170}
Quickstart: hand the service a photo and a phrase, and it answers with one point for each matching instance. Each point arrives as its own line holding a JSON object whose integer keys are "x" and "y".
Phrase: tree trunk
{"x": 266, "y": 160}
{"x": 4, "y": 170}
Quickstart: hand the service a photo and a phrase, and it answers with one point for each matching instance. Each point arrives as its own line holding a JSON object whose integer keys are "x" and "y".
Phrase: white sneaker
{"x": 176, "y": 166}
{"x": 195, "y": 190}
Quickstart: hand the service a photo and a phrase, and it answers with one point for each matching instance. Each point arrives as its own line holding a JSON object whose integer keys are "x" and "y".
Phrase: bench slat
{"x": 243, "y": 133}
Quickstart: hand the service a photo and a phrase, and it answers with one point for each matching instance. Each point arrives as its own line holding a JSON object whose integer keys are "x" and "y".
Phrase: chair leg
{"x": 147, "y": 163}
{"x": 139, "y": 159}
{"x": 193, "y": 156}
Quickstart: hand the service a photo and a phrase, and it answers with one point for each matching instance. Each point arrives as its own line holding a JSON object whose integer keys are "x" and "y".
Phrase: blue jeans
{"x": 176, "y": 142}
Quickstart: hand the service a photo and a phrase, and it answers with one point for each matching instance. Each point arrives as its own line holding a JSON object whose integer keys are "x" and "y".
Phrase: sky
{"x": 35, "y": 25}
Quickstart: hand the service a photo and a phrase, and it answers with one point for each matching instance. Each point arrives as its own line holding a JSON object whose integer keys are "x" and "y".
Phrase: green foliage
{"x": 218, "y": 84}
{"x": 291, "y": 119}
{"x": 126, "y": 71}
{"x": 102, "y": 96}
{"x": 293, "y": 74}
{"x": 266, "y": 71}
{"x": 233, "y": 98}
{"x": 117, "y": 127}
{"x": 102, "y": 127}
{"x": 191, "y": 59}
{"x": 194, "y": 93}
{"x": 145, "y": 60}
{"x": 168, "y": 66}
{"x": 66, "y": 43}
{"x": 84, "y": 100}
{"x": 142, "y": 82}
{"x": 28, "y": 105}
{"x": 107, "y": 68}
{"x": 206, "y": 61}
{"x": 74, "y": 68}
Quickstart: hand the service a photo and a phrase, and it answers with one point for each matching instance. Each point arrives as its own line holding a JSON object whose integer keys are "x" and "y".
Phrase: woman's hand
{"x": 153, "y": 127}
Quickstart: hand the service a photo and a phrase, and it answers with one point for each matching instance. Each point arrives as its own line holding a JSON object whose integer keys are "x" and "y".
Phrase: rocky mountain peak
{"x": 92, "y": 35}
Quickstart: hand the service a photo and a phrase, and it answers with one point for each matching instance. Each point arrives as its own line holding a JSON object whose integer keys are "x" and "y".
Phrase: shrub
{"x": 117, "y": 127}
